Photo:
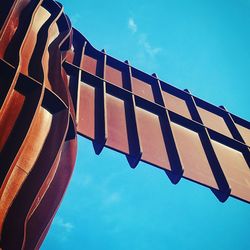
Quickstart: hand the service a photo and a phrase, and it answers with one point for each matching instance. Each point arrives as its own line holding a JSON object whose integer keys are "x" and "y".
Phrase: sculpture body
{"x": 54, "y": 84}
{"x": 38, "y": 143}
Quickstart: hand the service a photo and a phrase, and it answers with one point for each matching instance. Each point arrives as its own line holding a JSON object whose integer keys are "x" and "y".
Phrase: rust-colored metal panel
{"x": 9, "y": 118}
{"x": 87, "y": 112}
{"x": 176, "y": 104}
{"x": 175, "y": 130}
{"x": 195, "y": 163}
{"x": 150, "y": 130}
{"x": 90, "y": 64}
{"x": 55, "y": 84}
{"x": 116, "y": 124}
{"x": 142, "y": 89}
{"x": 235, "y": 168}
{"x": 37, "y": 120}
{"x": 114, "y": 75}
{"x": 214, "y": 121}
{"x": 244, "y": 132}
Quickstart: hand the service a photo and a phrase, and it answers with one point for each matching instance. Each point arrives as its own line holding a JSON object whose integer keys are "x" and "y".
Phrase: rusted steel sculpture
{"x": 53, "y": 84}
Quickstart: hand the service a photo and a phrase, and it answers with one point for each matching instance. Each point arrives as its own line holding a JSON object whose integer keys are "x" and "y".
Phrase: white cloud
{"x": 149, "y": 49}
{"x": 143, "y": 42}
{"x": 63, "y": 225}
{"x": 132, "y": 25}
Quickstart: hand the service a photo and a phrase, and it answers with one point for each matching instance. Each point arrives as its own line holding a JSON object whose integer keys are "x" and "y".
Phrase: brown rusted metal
{"x": 150, "y": 120}
{"x": 37, "y": 120}
{"x": 54, "y": 84}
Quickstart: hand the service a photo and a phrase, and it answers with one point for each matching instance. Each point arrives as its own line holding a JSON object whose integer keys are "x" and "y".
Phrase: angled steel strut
{"x": 54, "y": 84}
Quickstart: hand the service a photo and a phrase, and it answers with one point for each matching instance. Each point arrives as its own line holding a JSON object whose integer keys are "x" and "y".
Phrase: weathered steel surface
{"x": 147, "y": 119}
{"x": 55, "y": 84}
{"x": 37, "y": 120}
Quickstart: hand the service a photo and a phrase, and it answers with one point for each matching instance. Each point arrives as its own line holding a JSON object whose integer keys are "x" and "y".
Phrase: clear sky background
{"x": 200, "y": 45}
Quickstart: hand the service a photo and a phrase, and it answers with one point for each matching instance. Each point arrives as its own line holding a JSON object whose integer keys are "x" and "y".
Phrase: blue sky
{"x": 200, "y": 45}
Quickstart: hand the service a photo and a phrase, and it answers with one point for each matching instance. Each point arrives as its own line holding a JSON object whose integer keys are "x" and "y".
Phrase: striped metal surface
{"x": 54, "y": 84}
{"x": 37, "y": 120}
{"x": 147, "y": 119}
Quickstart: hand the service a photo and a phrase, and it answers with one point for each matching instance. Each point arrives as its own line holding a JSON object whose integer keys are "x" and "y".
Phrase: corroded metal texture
{"x": 54, "y": 84}
{"x": 147, "y": 119}
{"x": 37, "y": 119}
